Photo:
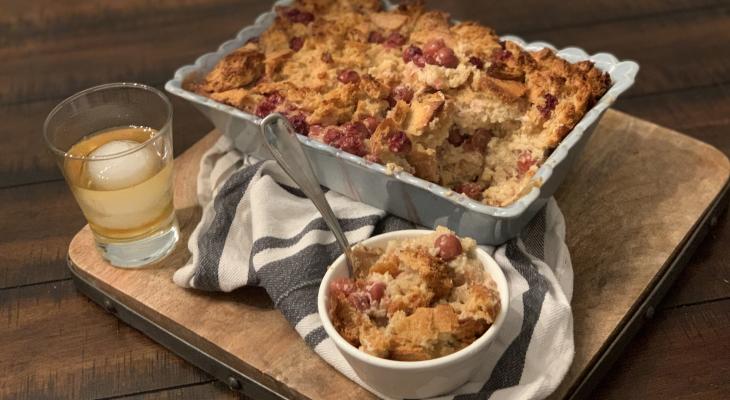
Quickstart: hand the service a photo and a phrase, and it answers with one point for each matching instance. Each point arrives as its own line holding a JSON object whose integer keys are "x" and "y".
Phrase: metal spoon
{"x": 284, "y": 145}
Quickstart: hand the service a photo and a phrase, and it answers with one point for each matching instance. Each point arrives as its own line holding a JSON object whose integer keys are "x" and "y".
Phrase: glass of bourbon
{"x": 114, "y": 145}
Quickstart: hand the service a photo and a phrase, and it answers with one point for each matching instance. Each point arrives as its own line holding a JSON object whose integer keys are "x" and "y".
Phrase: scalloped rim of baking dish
{"x": 623, "y": 74}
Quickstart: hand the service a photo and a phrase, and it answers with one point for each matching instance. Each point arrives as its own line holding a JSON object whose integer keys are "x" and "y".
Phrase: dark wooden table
{"x": 54, "y": 343}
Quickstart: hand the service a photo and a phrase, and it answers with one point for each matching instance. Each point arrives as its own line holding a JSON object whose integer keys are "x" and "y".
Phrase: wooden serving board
{"x": 634, "y": 205}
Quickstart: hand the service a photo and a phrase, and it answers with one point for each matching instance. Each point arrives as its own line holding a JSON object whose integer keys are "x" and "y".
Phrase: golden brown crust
{"x": 238, "y": 69}
{"x": 345, "y": 318}
{"x": 426, "y": 325}
{"x": 431, "y": 269}
{"x": 332, "y": 63}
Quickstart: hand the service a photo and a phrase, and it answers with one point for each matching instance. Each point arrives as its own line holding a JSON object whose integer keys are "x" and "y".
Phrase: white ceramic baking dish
{"x": 401, "y": 193}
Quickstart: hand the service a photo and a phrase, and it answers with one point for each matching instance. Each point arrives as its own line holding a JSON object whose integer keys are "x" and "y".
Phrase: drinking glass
{"x": 113, "y": 144}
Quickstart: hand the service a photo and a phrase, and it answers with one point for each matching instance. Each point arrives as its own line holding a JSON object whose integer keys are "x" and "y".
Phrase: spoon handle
{"x": 282, "y": 142}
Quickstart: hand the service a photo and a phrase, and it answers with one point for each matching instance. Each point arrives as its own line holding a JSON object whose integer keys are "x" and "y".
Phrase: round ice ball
{"x": 124, "y": 171}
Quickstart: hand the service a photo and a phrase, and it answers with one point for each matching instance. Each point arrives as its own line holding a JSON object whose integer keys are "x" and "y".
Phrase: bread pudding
{"x": 415, "y": 299}
{"x": 448, "y": 102}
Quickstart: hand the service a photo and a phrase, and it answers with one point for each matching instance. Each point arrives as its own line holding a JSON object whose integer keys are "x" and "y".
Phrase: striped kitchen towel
{"x": 259, "y": 229}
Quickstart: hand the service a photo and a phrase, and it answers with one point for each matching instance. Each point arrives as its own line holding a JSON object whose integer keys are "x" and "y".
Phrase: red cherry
{"x": 296, "y": 15}
{"x": 455, "y": 136}
{"x": 444, "y": 57}
{"x": 299, "y": 123}
{"x": 410, "y": 52}
{"x": 376, "y": 37}
{"x": 433, "y": 45}
{"x": 376, "y": 291}
{"x": 470, "y": 189}
{"x": 356, "y": 128}
{"x": 550, "y": 103}
{"x": 332, "y": 135}
{"x": 477, "y": 62}
{"x": 348, "y": 76}
{"x": 395, "y": 39}
{"x": 525, "y": 162}
{"x": 449, "y": 247}
{"x": 399, "y": 143}
{"x": 501, "y": 55}
{"x": 359, "y": 300}
{"x": 296, "y": 43}
{"x": 348, "y": 138}
{"x": 268, "y": 104}
{"x": 353, "y": 144}
{"x": 342, "y": 285}
{"x": 420, "y": 61}
{"x": 478, "y": 141}
{"x": 402, "y": 92}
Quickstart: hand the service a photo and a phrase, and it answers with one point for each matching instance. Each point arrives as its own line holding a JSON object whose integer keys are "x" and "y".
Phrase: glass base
{"x": 139, "y": 253}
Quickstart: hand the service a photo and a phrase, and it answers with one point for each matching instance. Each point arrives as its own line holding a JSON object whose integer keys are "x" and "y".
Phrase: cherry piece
{"x": 402, "y": 92}
{"x": 296, "y": 15}
{"x": 444, "y": 57}
{"x": 449, "y": 247}
{"x": 376, "y": 291}
{"x": 399, "y": 142}
{"x": 395, "y": 39}
{"x": 357, "y": 129}
{"x": 550, "y": 103}
{"x": 342, "y": 285}
{"x": 296, "y": 43}
{"x": 455, "y": 136}
{"x": 353, "y": 144}
{"x": 501, "y": 55}
{"x": 479, "y": 140}
{"x": 525, "y": 162}
{"x": 359, "y": 300}
{"x": 477, "y": 62}
{"x": 410, "y": 52}
{"x": 348, "y": 76}
{"x": 299, "y": 123}
{"x": 316, "y": 131}
{"x": 376, "y": 37}
{"x": 332, "y": 135}
{"x": 268, "y": 104}
{"x": 420, "y": 61}
{"x": 470, "y": 189}
{"x": 433, "y": 46}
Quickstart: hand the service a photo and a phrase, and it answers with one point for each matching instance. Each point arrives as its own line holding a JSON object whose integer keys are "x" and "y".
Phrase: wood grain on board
{"x": 614, "y": 263}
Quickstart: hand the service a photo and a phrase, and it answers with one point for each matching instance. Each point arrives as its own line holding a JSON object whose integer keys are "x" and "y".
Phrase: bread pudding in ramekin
{"x": 416, "y": 299}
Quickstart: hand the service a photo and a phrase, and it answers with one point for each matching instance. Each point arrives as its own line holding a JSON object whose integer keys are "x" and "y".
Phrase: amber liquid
{"x": 136, "y": 211}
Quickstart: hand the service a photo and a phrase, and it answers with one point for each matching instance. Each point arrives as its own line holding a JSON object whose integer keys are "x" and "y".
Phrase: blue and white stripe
{"x": 258, "y": 229}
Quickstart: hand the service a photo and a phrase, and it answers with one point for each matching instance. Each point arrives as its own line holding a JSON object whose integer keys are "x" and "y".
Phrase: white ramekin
{"x": 414, "y": 379}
